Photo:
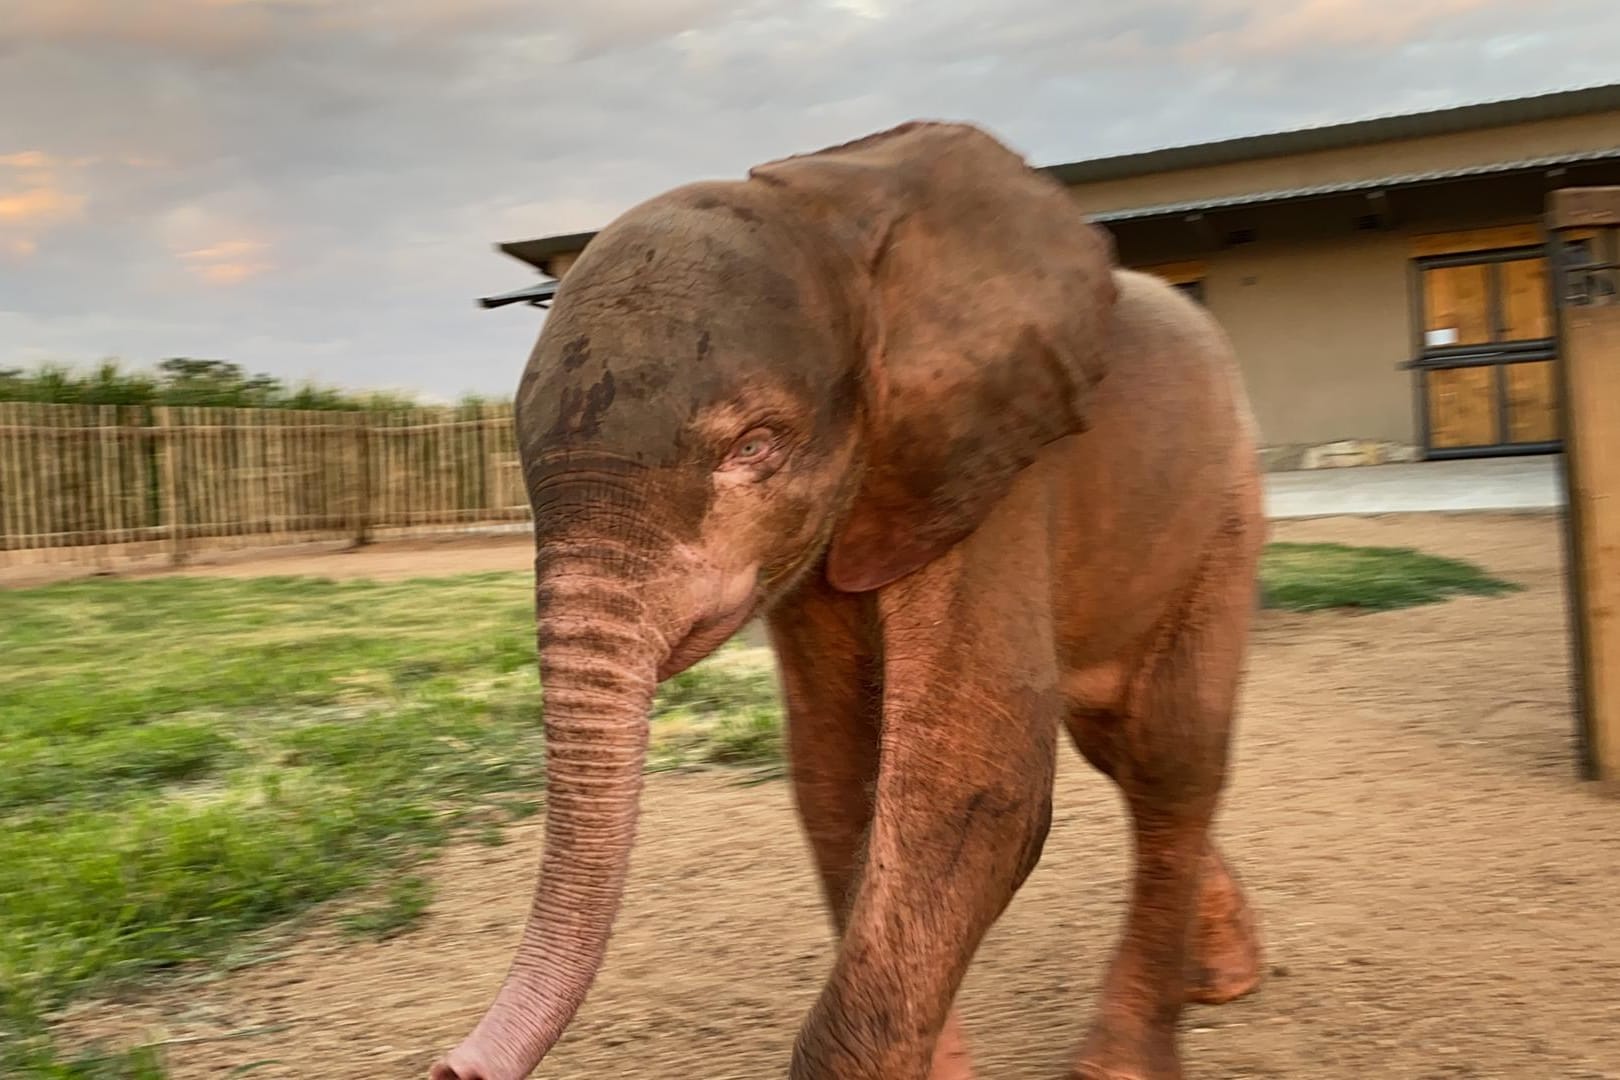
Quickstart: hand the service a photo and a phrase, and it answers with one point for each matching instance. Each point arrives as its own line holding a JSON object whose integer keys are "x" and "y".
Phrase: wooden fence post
{"x": 362, "y": 513}
{"x": 1588, "y": 295}
{"x": 170, "y": 435}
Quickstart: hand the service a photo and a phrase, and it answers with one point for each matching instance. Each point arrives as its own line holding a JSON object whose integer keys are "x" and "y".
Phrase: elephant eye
{"x": 753, "y": 448}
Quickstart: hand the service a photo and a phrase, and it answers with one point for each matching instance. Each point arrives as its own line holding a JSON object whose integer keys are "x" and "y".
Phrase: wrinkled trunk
{"x": 597, "y": 666}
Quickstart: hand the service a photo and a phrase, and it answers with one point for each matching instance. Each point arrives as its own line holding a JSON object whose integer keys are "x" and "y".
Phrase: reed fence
{"x": 96, "y": 483}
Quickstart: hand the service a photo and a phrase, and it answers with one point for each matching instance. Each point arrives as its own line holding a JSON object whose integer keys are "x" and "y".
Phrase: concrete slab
{"x": 1500, "y": 484}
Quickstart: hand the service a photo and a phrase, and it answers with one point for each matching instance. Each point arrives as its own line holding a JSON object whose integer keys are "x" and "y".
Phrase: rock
{"x": 1350, "y": 453}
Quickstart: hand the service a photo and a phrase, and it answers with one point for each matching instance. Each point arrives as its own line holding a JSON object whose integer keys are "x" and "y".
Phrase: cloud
{"x": 1276, "y": 27}
{"x": 245, "y": 30}
{"x": 314, "y": 186}
{"x": 32, "y": 160}
{"x": 183, "y": 25}
{"x": 31, "y": 201}
{"x": 39, "y": 206}
{"x": 228, "y": 262}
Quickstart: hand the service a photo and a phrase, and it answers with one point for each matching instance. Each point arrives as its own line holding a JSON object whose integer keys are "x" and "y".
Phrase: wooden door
{"x": 1487, "y": 356}
{"x": 1531, "y": 386}
{"x": 1462, "y": 400}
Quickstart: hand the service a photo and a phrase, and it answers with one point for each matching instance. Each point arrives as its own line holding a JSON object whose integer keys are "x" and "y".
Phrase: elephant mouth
{"x": 705, "y": 636}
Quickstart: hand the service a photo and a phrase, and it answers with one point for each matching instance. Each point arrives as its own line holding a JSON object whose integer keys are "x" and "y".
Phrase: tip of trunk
{"x": 597, "y": 705}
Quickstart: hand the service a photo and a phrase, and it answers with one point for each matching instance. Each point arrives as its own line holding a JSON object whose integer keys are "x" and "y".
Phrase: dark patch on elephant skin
{"x": 703, "y": 345}
{"x": 1029, "y": 856}
{"x": 582, "y": 411}
{"x": 647, "y": 381}
{"x": 711, "y": 202}
{"x": 970, "y": 813}
{"x": 987, "y": 812}
{"x": 576, "y": 353}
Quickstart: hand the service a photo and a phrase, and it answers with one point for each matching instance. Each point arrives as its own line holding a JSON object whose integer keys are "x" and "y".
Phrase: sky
{"x": 313, "y": 188}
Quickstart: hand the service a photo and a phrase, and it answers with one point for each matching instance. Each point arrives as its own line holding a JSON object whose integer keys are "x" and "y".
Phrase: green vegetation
{"x": 180, "y": 381}
{"x": 722, "y": 712}
{"x": 185, "y": 761}
{"x": 1311, "y": 577}
{"x": 405, "y": 901}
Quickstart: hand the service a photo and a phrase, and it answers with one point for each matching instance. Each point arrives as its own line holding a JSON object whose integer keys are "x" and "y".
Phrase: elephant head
{"x": 835, "y": 366}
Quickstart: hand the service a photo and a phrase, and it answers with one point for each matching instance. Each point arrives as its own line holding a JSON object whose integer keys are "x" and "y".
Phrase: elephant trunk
{"x": 598, "y": 675}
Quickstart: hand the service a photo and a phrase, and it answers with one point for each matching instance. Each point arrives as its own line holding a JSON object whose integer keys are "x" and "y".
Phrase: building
{"x": 1386, "y": 282}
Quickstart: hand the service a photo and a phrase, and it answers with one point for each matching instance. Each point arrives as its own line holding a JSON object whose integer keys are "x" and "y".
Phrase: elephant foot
{"x": 951, "y": 1059}
{"x": 1090, "y": 1070}
{"x": 1111, "y": 1057}
{"x": 820, "y": 1056}
{"x": 1227, "y": 958}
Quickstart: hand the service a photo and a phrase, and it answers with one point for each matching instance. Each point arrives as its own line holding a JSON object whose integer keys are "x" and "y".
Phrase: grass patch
{"x": 725, "y": 711}
{"x": 185, "y": 761}
{"x": 40, "y": 1064}
{"x": 1313, "y": 577}
{"x": 405, "y": 902}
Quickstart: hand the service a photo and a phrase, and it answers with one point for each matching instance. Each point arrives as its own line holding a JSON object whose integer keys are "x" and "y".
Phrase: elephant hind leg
{"x": 1190, "y": 934}
{"x": 1133, "y": 1035}
{"x": 1226, "y": 956}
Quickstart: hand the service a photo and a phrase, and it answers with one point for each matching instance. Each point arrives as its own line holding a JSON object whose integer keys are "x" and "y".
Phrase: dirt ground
{"x": 387, "y": 560}
{"x": 1438, "y": 894}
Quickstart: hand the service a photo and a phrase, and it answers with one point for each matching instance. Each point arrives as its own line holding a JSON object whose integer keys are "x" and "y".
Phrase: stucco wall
{"x": 1320, "y": 329}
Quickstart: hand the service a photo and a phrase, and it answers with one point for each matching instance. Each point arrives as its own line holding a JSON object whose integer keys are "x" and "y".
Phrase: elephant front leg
{"x": 940, "y": 870}
{"x": 832, "y": 688}
{"x": 962, "y": 808}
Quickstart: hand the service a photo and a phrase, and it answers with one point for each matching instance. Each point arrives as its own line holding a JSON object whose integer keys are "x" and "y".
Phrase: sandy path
{"x": 1437, "y": 892}
{"x": 386, "y": 560}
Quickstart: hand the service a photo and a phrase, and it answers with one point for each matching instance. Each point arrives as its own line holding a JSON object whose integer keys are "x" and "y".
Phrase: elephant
{"x": 900, "y": 400}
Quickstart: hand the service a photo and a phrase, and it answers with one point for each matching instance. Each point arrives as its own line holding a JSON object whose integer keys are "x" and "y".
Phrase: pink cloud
{"x": 228, "y": 262}
{"x": 1270, "y": 27}
{"x": 27, "y": 159}
{"x": 39, "y": 206}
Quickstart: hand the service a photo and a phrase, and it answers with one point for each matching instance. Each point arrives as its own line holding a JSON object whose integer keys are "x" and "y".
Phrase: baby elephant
{"x": 984, "y": 484}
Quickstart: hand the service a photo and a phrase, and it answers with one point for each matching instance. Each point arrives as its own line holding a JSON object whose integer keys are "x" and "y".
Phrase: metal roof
{"x": 536, "y": 252}
{"x": 1555, "y": 105}
{"x": 1489, "y": 114}
{"x": 535, "y": 296}
{"x": 1397, "y": 180}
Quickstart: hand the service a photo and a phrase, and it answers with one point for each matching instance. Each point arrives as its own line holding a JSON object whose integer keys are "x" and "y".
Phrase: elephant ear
{"x": 988, "y": 301}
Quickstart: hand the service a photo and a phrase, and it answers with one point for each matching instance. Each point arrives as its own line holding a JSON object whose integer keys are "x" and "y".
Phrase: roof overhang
{"x": 1379, "y": 183}
{"x": 535, "y": 296}
{"x": 1476, "y": 117}
{"x": 540, "y": 252}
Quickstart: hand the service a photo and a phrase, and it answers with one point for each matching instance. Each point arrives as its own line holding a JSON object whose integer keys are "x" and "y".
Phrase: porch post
{"x": 1584, "y": 227}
